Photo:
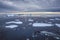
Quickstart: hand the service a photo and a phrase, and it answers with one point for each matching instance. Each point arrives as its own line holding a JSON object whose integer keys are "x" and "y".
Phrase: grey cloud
{"x": 29, "y": 5}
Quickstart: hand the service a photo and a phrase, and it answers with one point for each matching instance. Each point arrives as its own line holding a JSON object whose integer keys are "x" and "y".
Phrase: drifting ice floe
{"x": 48, "y": 33}
{"x": 58, "y": 25}
{"x": 41, "y": 24}
{"x": 11, "y": 26}
{"x": 30, "y": 20}
{"x": 51, "y": 19}
{"x": 57, "y": 19}
{"x": 57, "y": 37}
{"x": 18, "y": 22}
{"x": 10, "y": 15}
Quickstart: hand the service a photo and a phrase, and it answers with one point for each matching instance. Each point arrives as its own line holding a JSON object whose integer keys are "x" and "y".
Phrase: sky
{"x": 29, "y": 5}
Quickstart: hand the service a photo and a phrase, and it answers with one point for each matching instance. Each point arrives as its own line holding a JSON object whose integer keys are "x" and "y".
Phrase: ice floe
{"x": 11, "y": 26}
{"x": 57, "y": 19}
{"x": 41, "y": 24}
{"x": 30, "y": 20}
{"x": 16, "y": 22}
{"x": 57, "y": 25}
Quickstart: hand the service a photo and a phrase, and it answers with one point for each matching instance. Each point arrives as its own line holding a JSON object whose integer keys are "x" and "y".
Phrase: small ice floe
{"x": 11, "y": 26}
{"x": 57, "y": 19}
{"x": 48, "y": 33}
{"x": 57, "y": 25}
{"x": 10, "y": 15}
{"x": 52, "y": 19}
{"x": 30, "y": 20}
{"x": 30, "y": 23}
{"x": 15, "y": 22}
{"x": 57, "y": 37}
{"x": 41, "y": 24}
{"x": 24, "y": 27}
{"x": 33, "y": 36}
{"x": 27, "y": 39}
{"x": 50, "y": 22}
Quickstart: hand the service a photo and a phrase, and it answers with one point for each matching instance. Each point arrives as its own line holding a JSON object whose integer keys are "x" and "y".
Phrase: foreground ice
{"x": 50, "y": 34}
{"x": 47, "y": 33}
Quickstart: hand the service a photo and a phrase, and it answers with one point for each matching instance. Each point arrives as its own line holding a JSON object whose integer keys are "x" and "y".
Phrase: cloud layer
{"x": 29, "y": 5}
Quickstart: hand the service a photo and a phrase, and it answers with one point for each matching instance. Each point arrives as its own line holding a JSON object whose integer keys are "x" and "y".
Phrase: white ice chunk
{"x": 48, "y": 33}
{"x": 49, "y": 22}
{"x": 30, "y": 20}
{"x": 30, "y": 23}
{"x": 10, "y": 15}
{"x": 18, "y": 22}
{"x": 11, "y": 26}
{"x": 58, "y": 25}
{"x": 27, "y": 39}
{"x": 57, "y": 19}
{"x": 57, "y": 37}
{"x": 41, "y": 24}
{"x": 51, "y": 19}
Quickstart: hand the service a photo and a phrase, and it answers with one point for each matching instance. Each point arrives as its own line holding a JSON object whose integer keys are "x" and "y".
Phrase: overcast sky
{"x": 29, "y": 5}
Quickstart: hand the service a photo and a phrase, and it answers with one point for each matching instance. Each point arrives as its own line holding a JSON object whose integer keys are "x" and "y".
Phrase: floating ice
{"x": 51, "y": 19}
{"x": 24, "y": 27}
{"x": 58, "y": 25}
{"x": 57, "y": 19}
{"x": 48, "y": 33}
{"x": 41, "y": 24}
{"x": 27, "y": 39}
{"x": 49, "y": 22}
{"x": 10, "y": 15}
{"x": 51, "y": 34}
{"x": 11, "y": 26}
{"x": 18, "y": 22}
{"x": 57, "y": 37}
{"x": 30, "y": 20}
{"x": 30, "y": 23}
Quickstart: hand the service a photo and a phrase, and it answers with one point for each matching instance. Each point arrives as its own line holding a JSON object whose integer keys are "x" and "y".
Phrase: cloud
{"x": 29, "y": 5}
